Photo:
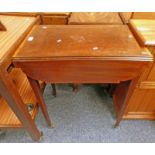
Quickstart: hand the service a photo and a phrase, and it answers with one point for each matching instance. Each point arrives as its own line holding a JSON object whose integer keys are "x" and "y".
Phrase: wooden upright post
{"x": 2, "y": 27}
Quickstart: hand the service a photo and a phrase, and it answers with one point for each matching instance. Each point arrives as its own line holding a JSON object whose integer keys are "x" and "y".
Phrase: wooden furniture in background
{"x": 94, "y": 18}
{"x": 54, "y": 18}
{"x": 141, "y": 104}
{"x": 126, "y": 16}
{"x": 87, "y": 18}
{"x": 15, "y": 90}
{"x": 83, "y": 54}
{"x": 143, "y": 15}
{"x": 47, "y": 18}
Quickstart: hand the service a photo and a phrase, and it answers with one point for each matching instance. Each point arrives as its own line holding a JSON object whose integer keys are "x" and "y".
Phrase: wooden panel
{"x": 141, "y": 104}
{"x": 8, "y": 118}
{"x": 151, "y": 76}
{"x": 145, "y": 73}
{"x": 17, "y": 28}
{"x": 95, "y": 18}
{"x": 126, "y": 16}
{"x": 144, "y": 15}
{"x": 144, "y": 30}
{"x": 85, "y": 71}
{"x": 54, "y": 20}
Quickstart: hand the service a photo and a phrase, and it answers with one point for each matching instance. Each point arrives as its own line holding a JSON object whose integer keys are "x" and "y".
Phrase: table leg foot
{"x": 51, "y": 126}
{"x": 75, "y": 87}
{"x": 54, "y": 90}
{"x": 2, "y": 133}
{"x": 116, "y": 124}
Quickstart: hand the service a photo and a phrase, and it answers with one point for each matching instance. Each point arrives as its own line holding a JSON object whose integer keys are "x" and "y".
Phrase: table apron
{"x": 82, "y": 71}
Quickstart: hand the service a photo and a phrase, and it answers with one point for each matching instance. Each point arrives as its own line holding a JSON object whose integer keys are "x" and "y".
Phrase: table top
{"x": 17, "y": 28}
{"x": 145, "y": 30}
{"x": 95, "y": 18}
{"x": 81, "y": 41}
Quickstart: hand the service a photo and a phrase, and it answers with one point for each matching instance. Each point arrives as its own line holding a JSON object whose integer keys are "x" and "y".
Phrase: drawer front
{"x": 54, "y": 20}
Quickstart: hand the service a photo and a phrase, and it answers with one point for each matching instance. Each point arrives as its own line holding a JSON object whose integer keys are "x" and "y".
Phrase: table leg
{"x": 38, "y": 93}
{"x": 11, "y": 95}
{"x": 75, "y": 87}
{"x": 131, "y": 88}
{"x": 54, "y": 90}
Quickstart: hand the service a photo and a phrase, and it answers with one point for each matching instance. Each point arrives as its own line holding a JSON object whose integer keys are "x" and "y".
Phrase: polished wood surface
{"x": 82, "y": 54}
{"x": 54, "y": 20}
{"x": 126, "y": 16}
{"x": 17, "y": 28}
{"x": 72, "y": 41}
{"x": 145, "y": 30}
{"x": 95, "y": 18}
{"x": 141, "y": 105}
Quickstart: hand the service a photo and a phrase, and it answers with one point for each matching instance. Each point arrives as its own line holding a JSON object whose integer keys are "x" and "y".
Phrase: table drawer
{"x": 54, "y": 20}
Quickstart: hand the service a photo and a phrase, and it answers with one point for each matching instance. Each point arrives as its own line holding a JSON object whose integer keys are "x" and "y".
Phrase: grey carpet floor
{"x": 83, "y": 117}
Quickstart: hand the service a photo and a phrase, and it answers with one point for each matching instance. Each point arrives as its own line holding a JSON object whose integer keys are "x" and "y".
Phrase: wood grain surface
{"x": 145, "y": 30}
{"x": 143, "y": 15}
{"x": 89, "y": 41}
{"x": 17, "y": 28}
{"x": 8, "y": 117}
{"x": 95, "y": 18}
